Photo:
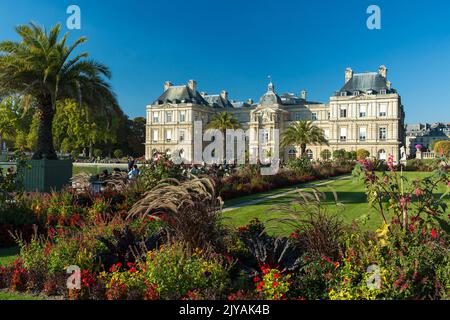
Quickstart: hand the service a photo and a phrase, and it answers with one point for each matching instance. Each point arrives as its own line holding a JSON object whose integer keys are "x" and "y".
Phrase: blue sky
{"x": 236, "y": 44}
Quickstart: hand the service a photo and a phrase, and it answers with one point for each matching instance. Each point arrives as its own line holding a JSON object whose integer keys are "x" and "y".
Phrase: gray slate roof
{"x": 217, "y": 101}
{"x": 366, "y": 81}
{"x": 181, "y": 94}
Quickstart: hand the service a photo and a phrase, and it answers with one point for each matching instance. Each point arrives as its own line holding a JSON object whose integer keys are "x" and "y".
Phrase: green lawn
{"x": 350, "y": 193}
{"x": 8, "y": 255}
{"x": 5, "y": 296}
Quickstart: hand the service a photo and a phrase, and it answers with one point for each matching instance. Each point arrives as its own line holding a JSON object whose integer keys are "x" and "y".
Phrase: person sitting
{"x": 134, "y": 174}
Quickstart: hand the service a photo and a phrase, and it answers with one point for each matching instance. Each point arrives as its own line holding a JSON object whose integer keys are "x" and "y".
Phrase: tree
{"x": 224, "y": 121}
{"x": 42, "y": 68}
{"x": 442, "y": 147}
{"x": 339, "y": 154}
{"x": 77, "y": 127}
{"x": 303, "y": 133}
{"x": 325, "y": 154}
{"x": 136, "y": 137}
{"x": 362, "y": 154}
{"x": 118, "y": 154}
{"x": 8, "y": 120}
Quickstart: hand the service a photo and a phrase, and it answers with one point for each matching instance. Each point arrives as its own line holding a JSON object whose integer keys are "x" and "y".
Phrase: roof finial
{"x": 271, "y": 86}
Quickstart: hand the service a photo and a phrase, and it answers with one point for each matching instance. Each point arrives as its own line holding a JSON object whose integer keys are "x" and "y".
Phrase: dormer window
{"x": 356, "y": 93}
{"x": 383, "y": 92}
{"x": 344, "y": 94}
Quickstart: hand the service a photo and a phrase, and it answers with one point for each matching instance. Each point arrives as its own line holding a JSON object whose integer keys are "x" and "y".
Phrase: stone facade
{"x": 367, "y": 113}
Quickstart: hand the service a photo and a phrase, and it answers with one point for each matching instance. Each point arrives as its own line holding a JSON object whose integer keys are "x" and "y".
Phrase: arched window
{"x": 292, "y": 154}
{"x": 382, "y": 155}
{"x": 310, "y": 154}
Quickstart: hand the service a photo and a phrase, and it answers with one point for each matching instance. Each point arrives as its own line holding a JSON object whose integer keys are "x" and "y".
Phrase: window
{"x": 343, "y": 94}
{"x": 382, "y": 133}
{"x": 292, "y": 154}
{"x": 314, "y": 116}
{"x": 382, "y": 155}
{"x": 155, "y": 117}
{"x": 155, "y": 135}
{"x": 329, "y": 115}
{"x": 383, "y": 110}
{"x": 310, "y": 154}
{"x": 362, "y": 111}
{"x": 356, "y": 93}
{"x": 169, "y": 117}
{"x": 362, "y": 134}
{"x": 343, "y": 135}
{"x": 383, "y": 92}
{"x": 343, "y": 112}
{"x": 169, "y": 135}
{"x": 298, "y": 116}
{"x": 181, "y": 135}
{"x": 182, "y": 116}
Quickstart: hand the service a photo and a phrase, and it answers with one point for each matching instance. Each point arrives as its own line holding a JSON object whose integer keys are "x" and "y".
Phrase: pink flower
{"x": 418, "y": 192}
{"x": 386, "y": 180}
{"x": 390, "y": 162}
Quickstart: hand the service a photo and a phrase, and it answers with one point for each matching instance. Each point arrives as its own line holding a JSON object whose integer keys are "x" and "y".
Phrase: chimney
{"x": 192, "y": 84}
{"x": 348, "y": 74}
{"x": 383, "y": 71}
{"x": 167, "y": 85}
{"x": 304, "y": 95}
{"x": 224, "y": 95}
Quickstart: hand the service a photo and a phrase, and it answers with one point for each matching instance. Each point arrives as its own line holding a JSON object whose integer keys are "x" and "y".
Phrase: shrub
{"x": 273, "y": 285}
{"x": 317, "y": 231}
{"x": 191, "y": 209}
{"x": 301, "y": 166}
{"x": 350, "y": 155}
{"x": 362, "y": 154}
{"x": 175, "y": 272}
{"x": 442, "y": 148}
{"x": 325, "y": 154}
{"x": 339, "y": 154}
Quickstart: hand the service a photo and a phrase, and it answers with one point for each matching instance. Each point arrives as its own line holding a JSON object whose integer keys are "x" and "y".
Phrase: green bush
{"x": 301, "y": 166}
{"x": 339, "y": 154}
{"x": 176, "y": 273}
{"x": 325, "y": 154}
{"x": 362, "y": 154}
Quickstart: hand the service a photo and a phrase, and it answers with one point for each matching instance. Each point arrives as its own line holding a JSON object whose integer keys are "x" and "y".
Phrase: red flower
{"x": 434, "y": 233}
{"x": 276, "y": 275}
{"x": 256, "y": 279}
{"x": 275, "y": 284}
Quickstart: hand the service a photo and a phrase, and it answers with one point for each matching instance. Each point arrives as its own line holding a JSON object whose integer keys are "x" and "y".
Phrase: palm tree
{"x": 43, "y": 69}
{"x": 303, "y": 133}
{"x": 224, "y": 121}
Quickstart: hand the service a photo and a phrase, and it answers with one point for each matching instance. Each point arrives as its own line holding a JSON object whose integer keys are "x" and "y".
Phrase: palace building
{"x": 366, "y": 113}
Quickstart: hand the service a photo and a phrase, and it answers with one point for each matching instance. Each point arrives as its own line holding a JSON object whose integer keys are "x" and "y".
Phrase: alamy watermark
{"x": 374, "y": 20}
{"x": 73, "y": 22}
{"x": 264, "y": 148}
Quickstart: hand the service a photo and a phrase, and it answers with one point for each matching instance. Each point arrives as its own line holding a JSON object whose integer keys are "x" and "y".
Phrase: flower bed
{"x": 170, "y": 243}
